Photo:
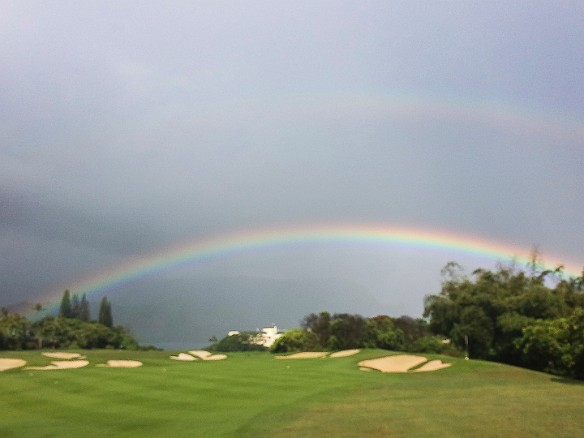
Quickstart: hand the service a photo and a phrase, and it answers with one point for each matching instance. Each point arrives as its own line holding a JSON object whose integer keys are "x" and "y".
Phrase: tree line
{"x": 243, "y": 341}
{"x": 533, "y": 319}
{"x": 72, "y": 328}
{"x": 341, "y": 331}
{"x": 75, "y": 308}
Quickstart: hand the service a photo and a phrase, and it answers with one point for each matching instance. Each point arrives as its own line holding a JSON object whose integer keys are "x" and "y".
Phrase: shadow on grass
{"x": 567, "y": 381}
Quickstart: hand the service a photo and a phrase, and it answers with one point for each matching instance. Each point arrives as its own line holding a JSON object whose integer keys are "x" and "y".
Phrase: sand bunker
{"x": 121, "y": 364}
{"x": 184, "y": 357}
{"x": 305, "y": 355}
{"x": 205, "y": 355}
{"x": 394, "y": 364}
{"x": 8, "y": 364}
{"x": 61, "y": 365}
{"x": 66, "y": 356}
{"x": 201, "y": 354}
{"x": 433, "y": 365}
{"x": 216, "y": 357}
{"x": 344, "y": 353}
{"x": 403, "y": 363}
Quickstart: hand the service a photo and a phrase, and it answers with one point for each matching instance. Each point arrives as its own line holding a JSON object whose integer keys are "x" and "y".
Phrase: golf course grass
{"x": 252, "y": 394}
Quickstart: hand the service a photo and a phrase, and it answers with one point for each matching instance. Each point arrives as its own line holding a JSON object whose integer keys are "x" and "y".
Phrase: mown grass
{"x": 252, "y": 394}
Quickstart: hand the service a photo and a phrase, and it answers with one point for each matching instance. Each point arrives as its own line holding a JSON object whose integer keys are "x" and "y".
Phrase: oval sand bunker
{"x": 184, "y": 357}
{"x": 8, "y": 364}
{"x": 66, "y": 356}
{"x": 61, "y": 365}
{"x": 122, "y": 364}
{"x": 433, "y": 365}
{"x": 305, "y": 355}
{"x": 394, "y": 364}
{"x": 205, "y": 355}
{"x": 344, "y": 353}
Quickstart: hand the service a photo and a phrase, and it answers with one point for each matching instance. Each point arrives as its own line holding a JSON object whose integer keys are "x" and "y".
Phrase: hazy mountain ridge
{"x": 187, "y": 313}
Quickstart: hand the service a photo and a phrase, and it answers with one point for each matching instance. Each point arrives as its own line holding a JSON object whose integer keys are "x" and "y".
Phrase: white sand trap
{"x": 344, "y": 353}
{"x": 216, "y": 357}
{"x": 201, "y": 354}
{"x": 394, "y": 364}
{"x": 65, "y": 356}
{"x": 121, "y": 364}
{"x": 305, "y": 355}
{"x": 205, "y": 355}
{"x": 61, "y": 365}
{"x": 184, "y": 357}
{"x": 8, "y": 364}
{"x": 433, "y": 365}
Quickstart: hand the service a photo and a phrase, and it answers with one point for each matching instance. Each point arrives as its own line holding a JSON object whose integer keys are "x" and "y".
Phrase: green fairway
{"x": 252, "y": 394}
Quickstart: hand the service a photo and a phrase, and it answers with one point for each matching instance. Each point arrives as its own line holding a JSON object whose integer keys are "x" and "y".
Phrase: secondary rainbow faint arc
{"x": 498, "y": 113}
{"x": 242, "y": 242}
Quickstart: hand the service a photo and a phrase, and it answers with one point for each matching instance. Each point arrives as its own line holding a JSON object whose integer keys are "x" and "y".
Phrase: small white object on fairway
{"x": 394, "y": 364}
{"x": 61, "y": 365}
{"x": 8, "y": 364}
{"x": 121, "y": 364}
{"x": 66, "y": 356}
{"x": 184, "y": 357}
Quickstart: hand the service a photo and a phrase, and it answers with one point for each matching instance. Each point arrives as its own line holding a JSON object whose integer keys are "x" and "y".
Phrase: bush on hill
{"x": 514, "y": 317}
{"x": 323, "y": 331}
{"x": 18, "y": 333}
{"x": 240, "y": 342}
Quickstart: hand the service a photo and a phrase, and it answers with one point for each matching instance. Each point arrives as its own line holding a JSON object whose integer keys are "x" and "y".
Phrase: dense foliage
{"x": 105, "y": 313}
{"x": 534, "y": 319}
{"x": 18, "y": 333}
{"x": 341, "y": 331}
{"x": 71, "y": 329}
{"x": 73, "y": 307}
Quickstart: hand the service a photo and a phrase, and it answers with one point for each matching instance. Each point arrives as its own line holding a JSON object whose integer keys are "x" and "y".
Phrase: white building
{"x": 267, "y": 336}
{"x": 264, "y": 337}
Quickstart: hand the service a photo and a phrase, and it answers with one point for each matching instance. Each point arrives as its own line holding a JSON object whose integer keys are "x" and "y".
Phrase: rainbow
{"x": 240, "y": 243}
{"x": 407, "y": 105}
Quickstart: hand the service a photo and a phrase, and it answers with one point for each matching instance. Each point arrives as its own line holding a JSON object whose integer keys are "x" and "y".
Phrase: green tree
{"x": 476, "y": 325}
{"x": 66, "y": 309}
{"x": 105, "y": 313}
{"x": 555, "y": 345}
{"x": 240, "y": 342}
{"x": 382, "y": 333}
{"x": 295, "y": 340}
{"x": 14, "y": 331}
{"x": 38, "y": 307}
{"x": 320, "y": 325}
{"x": 75, "y": 306}
{"x": 84, "y": 314}
{"x": 347, "y": 331}
{"x": 505, "y": 308}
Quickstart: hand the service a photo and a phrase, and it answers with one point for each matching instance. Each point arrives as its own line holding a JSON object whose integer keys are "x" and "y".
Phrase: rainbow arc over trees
{"x": 240, "y": 243}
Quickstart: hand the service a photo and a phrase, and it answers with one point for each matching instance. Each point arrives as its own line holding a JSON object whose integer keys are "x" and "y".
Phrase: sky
{"x": 127, "y": 128}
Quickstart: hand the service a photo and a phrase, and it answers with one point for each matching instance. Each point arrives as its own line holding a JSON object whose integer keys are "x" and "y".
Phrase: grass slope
{"x": 251, "y": 394}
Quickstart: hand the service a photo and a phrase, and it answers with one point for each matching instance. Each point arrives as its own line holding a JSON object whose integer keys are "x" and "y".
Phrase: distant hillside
{"x": 22, "y": 307}
{"x": 186, "y": 313}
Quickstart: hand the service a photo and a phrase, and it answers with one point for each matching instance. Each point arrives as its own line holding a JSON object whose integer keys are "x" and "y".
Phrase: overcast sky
{"x": 128, "y": 127}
